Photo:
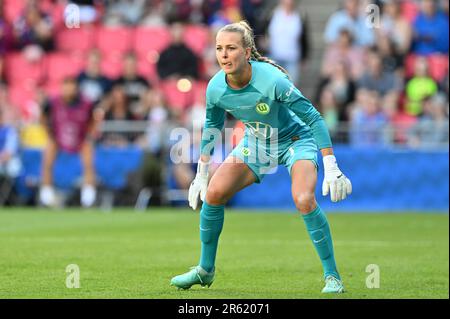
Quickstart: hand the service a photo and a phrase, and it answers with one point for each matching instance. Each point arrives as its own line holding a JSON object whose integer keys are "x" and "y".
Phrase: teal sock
{"x": 211, "y": 223}
{"x": 319, "y": 231}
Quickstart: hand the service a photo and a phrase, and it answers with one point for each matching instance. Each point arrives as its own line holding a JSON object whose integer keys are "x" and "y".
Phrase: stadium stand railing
{"x": 399, "y": 176}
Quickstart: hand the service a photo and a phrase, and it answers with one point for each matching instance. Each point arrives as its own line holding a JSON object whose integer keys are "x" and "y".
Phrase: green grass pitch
{"x": 124, "y": 254}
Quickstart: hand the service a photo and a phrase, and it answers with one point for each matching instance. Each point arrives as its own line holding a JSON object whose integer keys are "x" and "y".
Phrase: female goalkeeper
{"x": 282, "y": 127}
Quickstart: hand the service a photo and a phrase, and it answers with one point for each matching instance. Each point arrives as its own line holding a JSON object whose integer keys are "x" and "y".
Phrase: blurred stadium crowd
{"x": 392, "y": 75}
{"x": 145, "y": 65}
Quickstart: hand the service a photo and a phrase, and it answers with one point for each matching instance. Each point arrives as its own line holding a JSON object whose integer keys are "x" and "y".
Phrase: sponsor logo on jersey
{"x": 262, "y": 108}
{"x": 288, "y": 94}
{"x": 259, "y": 129}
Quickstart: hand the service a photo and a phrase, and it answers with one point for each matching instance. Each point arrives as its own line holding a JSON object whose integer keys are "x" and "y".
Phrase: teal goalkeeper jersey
{"x": 269, "y": 103}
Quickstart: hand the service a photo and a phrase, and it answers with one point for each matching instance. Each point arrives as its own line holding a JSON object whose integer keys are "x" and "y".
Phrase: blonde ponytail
{"x": 248, "y": 41}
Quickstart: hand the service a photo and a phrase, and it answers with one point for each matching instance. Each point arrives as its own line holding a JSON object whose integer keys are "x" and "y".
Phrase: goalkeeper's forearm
{"x": 327, "y": 151}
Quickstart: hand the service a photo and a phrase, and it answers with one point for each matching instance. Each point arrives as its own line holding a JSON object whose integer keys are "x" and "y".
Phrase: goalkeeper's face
{"x": 230, "y": 52}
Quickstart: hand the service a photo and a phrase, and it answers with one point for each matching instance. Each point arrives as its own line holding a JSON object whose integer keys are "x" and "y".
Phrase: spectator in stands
{"x": 177, "y": 59}
{"x": 395, "y": 26}
{"x": 328, "y": 108}
{"x": 224, "y": 12}
{"x": 377, "y": 79}
{"x": 419, "y": 87}
{"x": 88, "y": 10}
{"x": 219, "y": 19}
{"x": 399, "y": 121}
{"x": 5, "y": 32}
{"x": 432, "y": 128}
{"x": 33, "y": 28}
{"x": 135, "y": 86}
{"x": 71, "y": 122}
{"x": 158, "y": 116}
{"x": 33, "y": 133}
{"x": 367, "y": 120}
{"x": 444, "y": 7}
{"x": 154, "y": 14}
{"x": 154, "y": 143}
{"x": 93, "y": 85}
{"x": 183, "y": 169}
{"x": 123, "y": 12}
{"x": 2, "y": 70}
{"x": 9, "y": 149}
{"x": 196, "y": 15}
{"x": 392, "y": 61}
{"x": 430, "y": 30}
{"x": 217, "y": 13}
{"x": 286, "y": 38}
{"x": 252, "y": 11}
{"x": 341, "y": 86}
{"x": 352, "y": 18}
{"x": 117, "y": 108}
{"x": 344, "y": 50}
{"x": 179, "y": 10}
{"x": 211, "y": 67}
{"x": 210, "y": 9}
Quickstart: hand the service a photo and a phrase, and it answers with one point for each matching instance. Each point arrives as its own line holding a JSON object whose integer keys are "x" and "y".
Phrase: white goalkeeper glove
{"x": 199, "y": 184}
{"x": 334, "y": 181}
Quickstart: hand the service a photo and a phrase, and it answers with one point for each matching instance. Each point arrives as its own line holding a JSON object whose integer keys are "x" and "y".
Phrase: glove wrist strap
{"x": 202, "y": 168}
{"x": 329, "y": 161}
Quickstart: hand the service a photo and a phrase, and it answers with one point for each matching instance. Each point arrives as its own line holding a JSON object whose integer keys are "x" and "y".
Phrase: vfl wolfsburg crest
{"x": 262, "y": 108}
{"x": 245, "y": 151}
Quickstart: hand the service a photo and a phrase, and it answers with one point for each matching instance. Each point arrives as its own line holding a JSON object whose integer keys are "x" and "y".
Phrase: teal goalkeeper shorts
{"x": 263, "y": 157}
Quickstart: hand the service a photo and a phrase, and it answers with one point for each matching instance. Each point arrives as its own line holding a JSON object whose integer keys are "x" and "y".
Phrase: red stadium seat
{"x": 410, "y": 9}
{"x": 175, "y": 98}
{"x": 25, "y": 99}
{"x": 20, "y": 71}
{"x": 76, "y": 39}
{"x": 438, "y": 66}
{"x": 52, "y": 88}
{"x": 196, "y": 37}
{"x": 61, "y": 65}
{"x": 149, "y": 40}
{"x": 114, "y": 40}
{"x": 112, "y": 65}
{"x": 12, "y": 9}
